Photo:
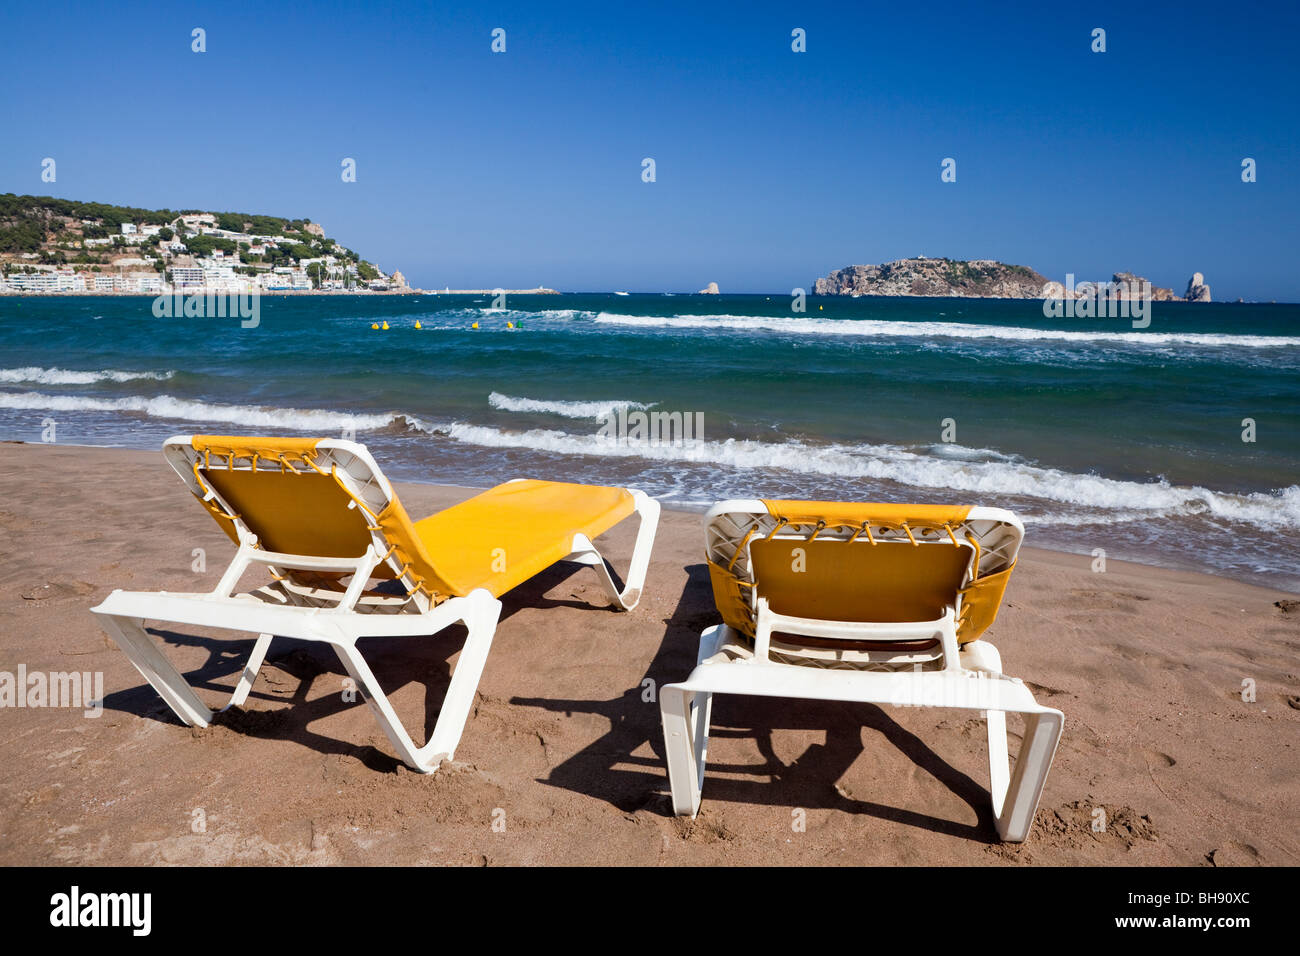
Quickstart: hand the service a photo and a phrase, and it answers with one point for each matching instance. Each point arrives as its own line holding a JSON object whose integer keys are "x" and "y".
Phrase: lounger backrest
{"x": 861, "y": 562}
{"x": 306, "y": 496}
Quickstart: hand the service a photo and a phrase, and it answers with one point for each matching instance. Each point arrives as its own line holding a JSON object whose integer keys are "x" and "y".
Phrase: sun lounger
{"x": 347, "y": 562}
{"x": 861, "y": 602}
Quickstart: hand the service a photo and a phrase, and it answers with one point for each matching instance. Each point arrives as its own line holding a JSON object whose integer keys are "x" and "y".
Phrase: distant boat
{"x": 621, "y": 293}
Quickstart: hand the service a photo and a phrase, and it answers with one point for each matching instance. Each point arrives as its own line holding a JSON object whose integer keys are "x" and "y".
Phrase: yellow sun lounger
{"x": 346, "y": 562}
{"x": 880, "y": 603}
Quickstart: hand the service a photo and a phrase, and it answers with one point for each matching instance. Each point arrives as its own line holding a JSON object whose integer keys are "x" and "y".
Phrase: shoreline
{"x": 275, "y": 293}
{"x": 1146, "y": 663}
{"x": 544, "y": 291}
{"x": 699, "y": 507}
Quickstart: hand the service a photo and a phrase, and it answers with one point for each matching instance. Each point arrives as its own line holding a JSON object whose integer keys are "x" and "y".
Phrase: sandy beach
{"x": 564, "y": 753}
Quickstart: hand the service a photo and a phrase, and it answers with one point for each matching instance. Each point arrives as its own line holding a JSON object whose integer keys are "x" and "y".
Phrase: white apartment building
{"x": 187, "y": 277}
{"x": 128, "y": 229}
{"x": 200, "y": 222}
{"x": 220, "y": 279}
{"x": 38, "y": 282}
{"x": 139, "y": 283}
{"x": 104, "y": 283}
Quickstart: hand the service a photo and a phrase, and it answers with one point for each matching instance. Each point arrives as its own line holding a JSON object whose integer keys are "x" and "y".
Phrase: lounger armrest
{"x": 359, "y": 567}
{"x": 858, "y": 630}
{"x": 305, "y": 562}
{"x": 766, "y": 621}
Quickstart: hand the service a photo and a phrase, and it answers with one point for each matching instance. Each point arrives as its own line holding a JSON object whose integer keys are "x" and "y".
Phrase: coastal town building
{"x": 113, "y": 255}
{"x": 186, "y": 278}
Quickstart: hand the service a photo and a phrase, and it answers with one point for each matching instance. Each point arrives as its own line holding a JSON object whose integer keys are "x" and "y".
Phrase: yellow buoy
{"x": 820, "y": 307}
{"x": 510, "y": 325}
{"x": 374, "y": 325}
{"x": 474, "y": 326}
{"x": 418, "y": 325}
{"x": 385, "y": 325}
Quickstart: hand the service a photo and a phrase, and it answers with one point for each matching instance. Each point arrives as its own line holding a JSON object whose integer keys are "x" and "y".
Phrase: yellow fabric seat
{"x": 506, "y": 535}
{"x": 922, "y": 561}
{"x": 496, "y": 540}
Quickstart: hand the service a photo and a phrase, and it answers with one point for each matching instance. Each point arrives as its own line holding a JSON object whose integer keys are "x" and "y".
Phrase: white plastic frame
{"x": 333, "y": 618}
{"x": 966, "y": 678}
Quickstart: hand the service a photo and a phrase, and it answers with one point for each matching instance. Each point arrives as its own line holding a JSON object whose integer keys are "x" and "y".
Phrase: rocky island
{"x": 988, "y": 279}
{"x": 935, "y": 277}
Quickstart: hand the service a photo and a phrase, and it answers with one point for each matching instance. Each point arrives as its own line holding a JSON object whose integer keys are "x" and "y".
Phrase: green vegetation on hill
{"x": 55, "y": 227}
{"x": 27, "y": 221}
{"x": 22, "y": 217}
{"x": 203, "y": 245}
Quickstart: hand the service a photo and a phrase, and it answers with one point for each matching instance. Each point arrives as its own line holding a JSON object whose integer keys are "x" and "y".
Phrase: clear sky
{"x": 482, "y": 169}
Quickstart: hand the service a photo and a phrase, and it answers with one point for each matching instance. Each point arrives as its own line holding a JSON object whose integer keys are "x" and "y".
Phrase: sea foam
{"x": 597, "y": 410}
{"x": 182, "y": 409}
{"x": 878, "y": 328}
{"x": 965, "y": 472}
{"x": 62, "y": 376}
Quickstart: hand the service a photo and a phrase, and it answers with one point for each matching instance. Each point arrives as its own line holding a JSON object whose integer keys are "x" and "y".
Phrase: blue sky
{"x": 477, "y": 169}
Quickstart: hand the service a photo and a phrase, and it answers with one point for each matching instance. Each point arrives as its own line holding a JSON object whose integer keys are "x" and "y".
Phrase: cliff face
{"x": 935, "y": 277}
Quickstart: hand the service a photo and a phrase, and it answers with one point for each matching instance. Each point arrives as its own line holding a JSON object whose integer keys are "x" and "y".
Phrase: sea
{"x": 1177, "y": 444}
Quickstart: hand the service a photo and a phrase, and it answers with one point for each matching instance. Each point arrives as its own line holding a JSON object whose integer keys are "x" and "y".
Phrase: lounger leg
{"x": 999, "y": 763}
{"x": 584, "y": 552}
{"x": 251, "y": 668}
{"x": 1015, "y": 803}
{"x": 648, "y": 509}
{"x": 482, "y": 625}
{"x": 480, "y": 619}
{"x": 687, "y": 718}
{"x": 686, "y": 741}
{"x": 360, "y": 672}
{"x": 156, "y": 669}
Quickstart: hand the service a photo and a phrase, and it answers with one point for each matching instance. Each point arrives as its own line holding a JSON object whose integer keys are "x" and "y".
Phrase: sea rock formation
{"x": 1197, "y": 290}
{"x": 1131, "y": 287}
{"x": 710, "y": 289}
{"x": 986, "y": 278}
{"x": 935, "y": 277}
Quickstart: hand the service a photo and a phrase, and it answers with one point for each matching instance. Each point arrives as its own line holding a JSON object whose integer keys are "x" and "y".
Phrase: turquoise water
{"x": 1100, "y": 435}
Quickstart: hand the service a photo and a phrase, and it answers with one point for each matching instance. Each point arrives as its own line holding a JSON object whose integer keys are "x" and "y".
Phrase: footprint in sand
{"x": 1233, "y": 853}
{"x": 1157, "y": 760}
